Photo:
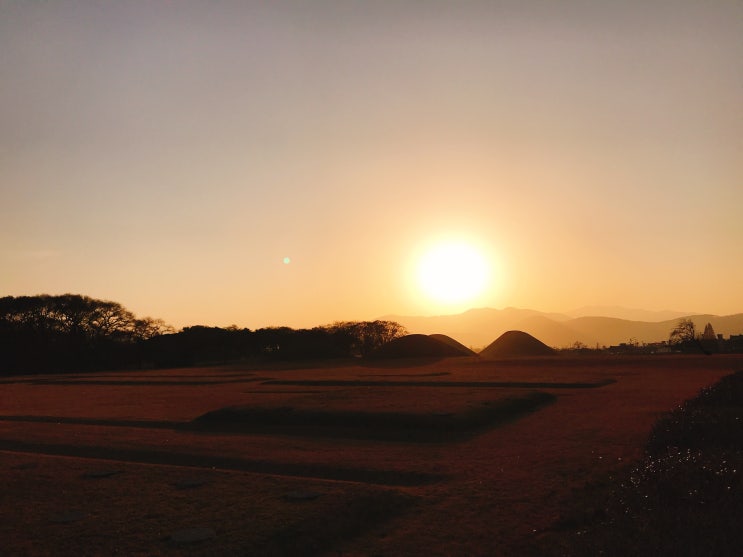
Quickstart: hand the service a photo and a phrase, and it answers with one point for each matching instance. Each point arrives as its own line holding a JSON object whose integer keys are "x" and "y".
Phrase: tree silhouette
{"x": 684, "y": 331}
{"x": 74, "y": 332}
{"x": 360, "y": 338}
{"x": 70, "y": 331}
{"x": 684, "y": 336}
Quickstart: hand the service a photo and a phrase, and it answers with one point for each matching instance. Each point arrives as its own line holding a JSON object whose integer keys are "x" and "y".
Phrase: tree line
{"x": 72, "y": 332}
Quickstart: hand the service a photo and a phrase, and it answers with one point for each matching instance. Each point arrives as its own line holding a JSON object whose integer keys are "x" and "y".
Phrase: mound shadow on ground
{"x": 397, "y": 426}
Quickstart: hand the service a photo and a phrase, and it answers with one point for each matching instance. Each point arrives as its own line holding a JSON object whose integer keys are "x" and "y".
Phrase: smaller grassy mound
{"x": 516, "y": 344}
{"x": 421, "y": 346}
{"x": 405, "y": 426}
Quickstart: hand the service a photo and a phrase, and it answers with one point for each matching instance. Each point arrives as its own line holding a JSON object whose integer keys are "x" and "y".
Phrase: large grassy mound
{"x": 421, "y": 346}
{"x": 454, "y": 343}
{"x": 516, "y": 344}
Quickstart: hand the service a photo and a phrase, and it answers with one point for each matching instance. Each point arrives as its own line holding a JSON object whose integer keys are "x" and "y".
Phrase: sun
{"x": 453, "y": 273}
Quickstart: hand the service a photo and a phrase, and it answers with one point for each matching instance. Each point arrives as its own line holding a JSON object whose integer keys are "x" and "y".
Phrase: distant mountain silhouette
{"x": 421, "y": 346}
{"x": 478, "y": 327}
{"x": 629, "y": 314}
{"x": 516, "y": 344}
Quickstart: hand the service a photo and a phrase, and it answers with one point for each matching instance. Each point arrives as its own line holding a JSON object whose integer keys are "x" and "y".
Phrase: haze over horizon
{"x": 292, "y": 164}
{"x": 618, "y": 312}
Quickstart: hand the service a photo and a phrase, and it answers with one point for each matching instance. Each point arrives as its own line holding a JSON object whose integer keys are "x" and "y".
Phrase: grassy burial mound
{"x": 421, "y": 346}
{"x": 454, "y": 343}
{"x": 516, "y": 344}
{"x": 391, "y": 425}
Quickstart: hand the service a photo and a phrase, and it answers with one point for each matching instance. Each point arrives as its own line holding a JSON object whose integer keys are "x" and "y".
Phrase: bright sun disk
{"x": 453, "y": 273}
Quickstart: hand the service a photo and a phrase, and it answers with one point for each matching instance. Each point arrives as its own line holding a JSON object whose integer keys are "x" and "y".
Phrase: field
{"x": 450, "y": 457}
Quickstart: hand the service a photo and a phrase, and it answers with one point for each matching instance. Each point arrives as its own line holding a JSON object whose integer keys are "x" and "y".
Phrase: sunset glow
{"x": 171, "y": 155}
{"x": 453, "y": 273}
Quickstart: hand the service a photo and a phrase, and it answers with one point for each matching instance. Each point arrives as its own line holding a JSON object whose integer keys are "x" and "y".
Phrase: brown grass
{"x": 489, "y": 494}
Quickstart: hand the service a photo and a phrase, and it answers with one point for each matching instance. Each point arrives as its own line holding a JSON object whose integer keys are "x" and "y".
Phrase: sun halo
{"x": 452, "y": 273}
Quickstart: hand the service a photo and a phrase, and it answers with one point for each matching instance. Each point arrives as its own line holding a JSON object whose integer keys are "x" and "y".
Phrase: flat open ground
{"x": 458, "y": 456}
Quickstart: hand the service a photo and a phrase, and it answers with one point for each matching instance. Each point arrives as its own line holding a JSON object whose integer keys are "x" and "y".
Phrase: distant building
{"x": 735, "y": 343}
{"x": 709, "y": 332}
{"x": 659, "y": 348}
{"x": 709, "y": 343}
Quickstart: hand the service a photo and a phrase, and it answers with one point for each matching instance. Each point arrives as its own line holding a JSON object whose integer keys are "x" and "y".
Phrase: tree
{"x": 147, "y": 328}
{"x": 683, "y": 332}
{"x": 70, "y": 331}
{"x": 360, "y": 338}
{"x": 109, "y": 319}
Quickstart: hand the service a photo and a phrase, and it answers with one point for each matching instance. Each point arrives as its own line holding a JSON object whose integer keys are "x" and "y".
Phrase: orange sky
{"x": 168, "y": 156}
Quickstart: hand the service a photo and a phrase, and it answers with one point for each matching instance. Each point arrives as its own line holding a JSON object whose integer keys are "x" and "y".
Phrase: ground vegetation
{"x": 684, "y": 497}
{"x": 122, "y": 462}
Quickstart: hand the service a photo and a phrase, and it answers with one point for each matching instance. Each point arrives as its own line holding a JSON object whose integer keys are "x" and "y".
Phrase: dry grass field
{"x": 450, "y": 457}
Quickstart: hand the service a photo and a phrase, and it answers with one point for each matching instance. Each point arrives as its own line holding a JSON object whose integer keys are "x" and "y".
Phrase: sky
{"x": 289, "y": 163}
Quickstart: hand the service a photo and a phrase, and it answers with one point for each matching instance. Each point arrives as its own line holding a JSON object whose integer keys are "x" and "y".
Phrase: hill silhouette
{"x": 422, "y": 346}
{"x": 516, "y": 344}
{"x": 455, "y": 343}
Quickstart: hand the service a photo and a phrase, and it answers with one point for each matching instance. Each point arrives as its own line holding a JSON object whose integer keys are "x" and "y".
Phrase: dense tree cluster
{"x": 70, "y": 332}
{"x": 200, "y": 344}
{"x": 74, "y": 332}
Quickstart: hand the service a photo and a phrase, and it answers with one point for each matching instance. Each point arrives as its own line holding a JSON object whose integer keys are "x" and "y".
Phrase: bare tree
{"x": 683, "y": 332}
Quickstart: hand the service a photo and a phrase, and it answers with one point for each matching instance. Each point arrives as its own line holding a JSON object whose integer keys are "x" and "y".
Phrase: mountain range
{"x": 476, "y": 328}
